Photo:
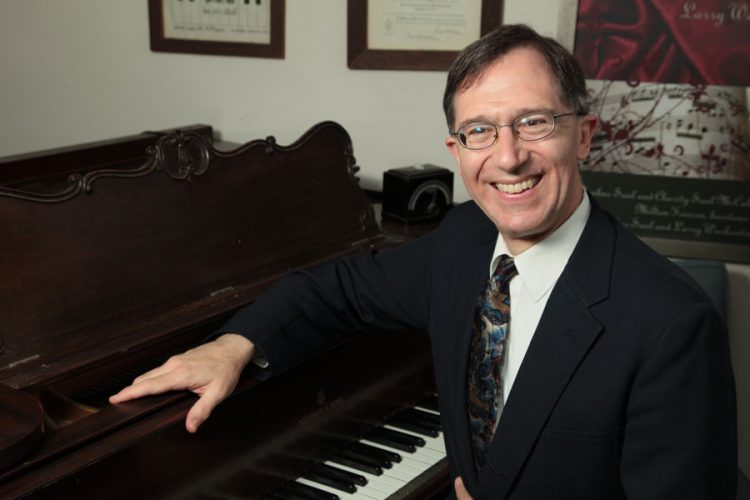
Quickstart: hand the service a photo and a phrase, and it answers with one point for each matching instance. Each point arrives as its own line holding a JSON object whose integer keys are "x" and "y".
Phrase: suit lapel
{"x": 470, "y": 271}
{"x": 562, "y": 338}
{"x": 564, "y": 335}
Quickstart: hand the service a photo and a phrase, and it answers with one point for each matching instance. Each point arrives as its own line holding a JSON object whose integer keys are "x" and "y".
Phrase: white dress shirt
{"x": 538, "y": 267}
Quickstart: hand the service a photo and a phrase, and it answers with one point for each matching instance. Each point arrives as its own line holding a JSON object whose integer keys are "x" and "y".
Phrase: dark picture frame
{"x": 360, "y": 56}
{"x": 162, "y": 43}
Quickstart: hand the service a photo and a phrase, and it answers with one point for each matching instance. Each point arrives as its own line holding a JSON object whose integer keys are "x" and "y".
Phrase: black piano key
{"x": 354, "y": 454}
{"x": 401, "y": 436}
{"x": 370, "y": 459}
{"x": 391, "y": 443}
{"x": 327, "y": 480}
{"x": 376, "y": 452}
{"x": 344, "y": 475}
{"x": 309, "y": 491}
{"x": 395, "y": 439}
{"x": 428, "y": 419}
{"x": 413, "y": 426}
{"x": 431, "y": 403}
{"x": 417, "y": 419}
{"x": 356, "y": 463}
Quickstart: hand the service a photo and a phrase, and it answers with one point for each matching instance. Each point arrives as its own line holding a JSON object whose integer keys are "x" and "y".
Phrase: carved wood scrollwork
{"x": 181, "y": 155}
{"x": 271, "y": 145}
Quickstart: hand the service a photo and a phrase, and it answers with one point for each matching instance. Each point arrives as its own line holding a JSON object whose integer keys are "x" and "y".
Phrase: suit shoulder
{"x": 661, "y": 281}
{"x": 466, "y": 218}
{"x": 611, "y": 264}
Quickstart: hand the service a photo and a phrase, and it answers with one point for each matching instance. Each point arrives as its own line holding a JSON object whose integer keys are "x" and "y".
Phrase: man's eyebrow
{"x": 518, "y": 113}
{"x": 475, "y": 119}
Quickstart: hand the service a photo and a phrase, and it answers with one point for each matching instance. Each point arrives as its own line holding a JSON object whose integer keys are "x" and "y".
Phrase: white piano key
{"x": 358, "y": 495}
{"x": 383, "y": 484}
{"x": 399, "y": 475}
{"x": 423, "y": 455}
{"x": 422, "y": 408}
{"x": 433, "y": 443}
{"x": 411, "y": 465}
{"x": 380, "y": 486}
{"x": 418, "y": 465}
{"x": 409, "y": 468}
{"x": 393, "y": 478}
{"x": 397, "y": 470}
{"x": 420, "y": 451}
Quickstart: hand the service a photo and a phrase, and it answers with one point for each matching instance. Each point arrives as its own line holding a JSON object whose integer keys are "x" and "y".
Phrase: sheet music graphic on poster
{"x": 244, "y": 21}
{"x": 679, "y": 130}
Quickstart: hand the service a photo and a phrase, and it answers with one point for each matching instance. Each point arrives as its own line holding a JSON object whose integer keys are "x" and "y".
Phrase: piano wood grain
{"x": 141, "y": 258}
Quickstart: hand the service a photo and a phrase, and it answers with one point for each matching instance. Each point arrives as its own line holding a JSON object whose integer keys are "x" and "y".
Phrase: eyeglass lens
{"x": 528, "y": 127}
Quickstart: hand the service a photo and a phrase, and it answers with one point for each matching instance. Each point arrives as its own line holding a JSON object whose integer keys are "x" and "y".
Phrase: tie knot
{"x": 506, "y": 267}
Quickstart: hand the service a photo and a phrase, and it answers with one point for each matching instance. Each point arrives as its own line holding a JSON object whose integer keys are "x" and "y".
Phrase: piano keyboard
{"x": 381, "y": 465}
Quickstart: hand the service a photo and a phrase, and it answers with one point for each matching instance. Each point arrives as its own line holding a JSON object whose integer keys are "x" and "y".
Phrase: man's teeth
{"x": 518, "y": 187}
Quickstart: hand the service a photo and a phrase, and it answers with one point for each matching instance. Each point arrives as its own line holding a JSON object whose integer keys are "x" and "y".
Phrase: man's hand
{"x": 461, "y": 492}
{"x": 211, "y": 370}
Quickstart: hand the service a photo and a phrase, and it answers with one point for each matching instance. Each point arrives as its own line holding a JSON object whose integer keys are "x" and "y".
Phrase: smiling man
{"x": 571, "y": 361}
{"x": 523, "y": 174}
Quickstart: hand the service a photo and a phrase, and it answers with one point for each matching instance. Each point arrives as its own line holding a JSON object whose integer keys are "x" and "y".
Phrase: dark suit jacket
{"x": 626, "y": 390}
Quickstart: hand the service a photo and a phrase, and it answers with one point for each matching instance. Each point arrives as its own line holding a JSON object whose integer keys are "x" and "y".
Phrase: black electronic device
{"x": 417, "y": 193}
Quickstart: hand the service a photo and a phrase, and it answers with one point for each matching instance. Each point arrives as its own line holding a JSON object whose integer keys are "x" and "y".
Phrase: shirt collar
{"x": 541, "y": 265}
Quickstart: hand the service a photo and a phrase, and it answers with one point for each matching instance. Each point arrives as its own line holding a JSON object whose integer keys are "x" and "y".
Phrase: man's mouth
{"x": 518, "y": 187}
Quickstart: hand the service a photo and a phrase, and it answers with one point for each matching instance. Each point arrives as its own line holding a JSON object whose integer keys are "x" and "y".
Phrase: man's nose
{"x": 508, "y": 152}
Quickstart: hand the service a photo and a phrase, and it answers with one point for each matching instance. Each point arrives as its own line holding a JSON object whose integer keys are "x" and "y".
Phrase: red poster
{"x": 669, "y": 41}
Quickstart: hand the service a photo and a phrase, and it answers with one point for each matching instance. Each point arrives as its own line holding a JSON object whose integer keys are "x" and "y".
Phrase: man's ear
{"x": 588, "y": 128}
{"x": 452, "y": 144}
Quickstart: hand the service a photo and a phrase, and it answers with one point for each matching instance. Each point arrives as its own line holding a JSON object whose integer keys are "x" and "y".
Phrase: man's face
{"x": 528, "y": 189}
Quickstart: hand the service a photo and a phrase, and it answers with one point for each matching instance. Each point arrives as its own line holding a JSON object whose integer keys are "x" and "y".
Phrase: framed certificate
{"x": 250, "y": 28}
{"x": 415, "y": 35}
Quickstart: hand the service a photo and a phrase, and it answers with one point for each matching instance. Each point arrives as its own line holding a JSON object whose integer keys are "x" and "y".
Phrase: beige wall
{"x": 81, "y": 70}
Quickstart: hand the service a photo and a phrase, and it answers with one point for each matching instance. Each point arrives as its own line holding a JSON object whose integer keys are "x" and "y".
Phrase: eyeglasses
{"x": 531, "y": 127}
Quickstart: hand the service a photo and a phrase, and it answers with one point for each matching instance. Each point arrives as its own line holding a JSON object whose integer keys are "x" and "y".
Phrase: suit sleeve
{"x": 308, "y": 311}
{"x": 680, "y": 439}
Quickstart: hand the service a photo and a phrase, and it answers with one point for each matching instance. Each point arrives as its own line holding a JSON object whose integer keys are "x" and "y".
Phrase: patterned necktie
{"x": 485, "y": 398}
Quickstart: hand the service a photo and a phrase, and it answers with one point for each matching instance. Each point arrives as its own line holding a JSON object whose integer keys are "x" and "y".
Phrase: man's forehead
{"x": 518, "y": 82}
{"x": 507, "y": 65}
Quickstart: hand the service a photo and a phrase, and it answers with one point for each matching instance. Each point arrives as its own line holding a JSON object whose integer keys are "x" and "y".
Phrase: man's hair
{"x": 476, "y": 57}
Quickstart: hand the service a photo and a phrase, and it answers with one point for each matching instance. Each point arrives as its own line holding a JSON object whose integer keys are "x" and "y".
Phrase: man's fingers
{"x": 171, "y": 376}
{"x": 202, "y": 409}
{"x": 148, "y": 386}
{"x": 210, "y": 370}
{"x": 149, "y": 374}
{"x": 461, "y": 492}
{"x": 132, "y": 392}
{"x": 172, "y": 364}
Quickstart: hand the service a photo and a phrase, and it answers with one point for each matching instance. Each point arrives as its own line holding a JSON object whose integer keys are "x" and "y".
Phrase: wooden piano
{"x": 116, "y": 255}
